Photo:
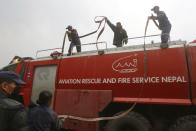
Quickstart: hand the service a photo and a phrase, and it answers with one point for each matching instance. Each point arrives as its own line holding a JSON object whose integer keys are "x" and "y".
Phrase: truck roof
{"x": 131, "y": 48}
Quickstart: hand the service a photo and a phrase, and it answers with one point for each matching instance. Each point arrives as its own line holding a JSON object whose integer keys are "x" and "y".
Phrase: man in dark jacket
{"x": 42, "y": 118}
{"x": 120, "y": 34}
{"x": 74, "y": 38}
{"x": 13, "y": 116}
{"x": 164, "y": 25}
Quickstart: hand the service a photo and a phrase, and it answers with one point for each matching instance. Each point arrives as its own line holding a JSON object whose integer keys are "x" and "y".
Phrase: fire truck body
{"x": 123, "y": 73}
{"x": 103, "y": 83}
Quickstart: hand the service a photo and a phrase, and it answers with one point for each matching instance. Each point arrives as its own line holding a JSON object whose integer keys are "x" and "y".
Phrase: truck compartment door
{"x": 44, "y": 79}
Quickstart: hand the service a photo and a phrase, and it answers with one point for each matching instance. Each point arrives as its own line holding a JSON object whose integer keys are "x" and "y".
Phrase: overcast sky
{"x": 30, "y": 25}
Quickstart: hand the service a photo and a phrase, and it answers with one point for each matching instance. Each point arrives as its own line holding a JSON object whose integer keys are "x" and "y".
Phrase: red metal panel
{"x": 18, "y": 67}
{"x": 83, "y": 103}
{"x": 193, "y": 41}
{"x": 24, "y": 92}
{"x": 27, "y": 88}
{"x": 167, "y": 76}
{"x": 191, "y": 51}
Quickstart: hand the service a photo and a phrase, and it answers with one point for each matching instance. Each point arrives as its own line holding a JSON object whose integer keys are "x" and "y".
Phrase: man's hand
{"x": 152, "y": 17}
{"x": 149, "y": 17}
{"x": 125, "y": 41}
{"x": 68, "y": 32}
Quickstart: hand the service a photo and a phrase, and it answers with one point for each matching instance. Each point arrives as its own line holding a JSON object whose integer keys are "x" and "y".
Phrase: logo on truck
{"x": 126, "y": 64}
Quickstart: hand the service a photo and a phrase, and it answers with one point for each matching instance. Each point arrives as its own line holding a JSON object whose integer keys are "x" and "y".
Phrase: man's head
{"x": 45, "y": 98}
{"x": 118, "y": 25}
{"x": 9, "y": 81}
{"x": 155, "y": 9}
{"x": 69, "y": 27}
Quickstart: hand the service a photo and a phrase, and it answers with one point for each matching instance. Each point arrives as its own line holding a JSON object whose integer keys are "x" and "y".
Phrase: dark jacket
{"x": 74, "y": 38}
{"x": 42, "y": 118}
{"x": 119, "y": 34}
{"x": 13, "y": 116}
{"x": 163, "y": 20}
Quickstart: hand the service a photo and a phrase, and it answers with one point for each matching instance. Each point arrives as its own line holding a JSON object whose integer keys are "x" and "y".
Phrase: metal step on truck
{"x": 105, "y": 83}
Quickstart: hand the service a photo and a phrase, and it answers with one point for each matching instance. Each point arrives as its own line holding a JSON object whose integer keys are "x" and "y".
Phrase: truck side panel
{"x": 166, "y": 81}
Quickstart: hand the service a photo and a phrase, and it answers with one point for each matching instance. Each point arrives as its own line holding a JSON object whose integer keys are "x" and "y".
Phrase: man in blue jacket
{"x": 42, "y": 118}
{"x": 74, "y": 39}
{"x": 164, "y": 25}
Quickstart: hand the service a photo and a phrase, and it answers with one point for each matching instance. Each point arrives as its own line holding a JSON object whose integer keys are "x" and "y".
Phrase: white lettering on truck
{"x": 125, "y": 80}
{"x": 170, "y": 79}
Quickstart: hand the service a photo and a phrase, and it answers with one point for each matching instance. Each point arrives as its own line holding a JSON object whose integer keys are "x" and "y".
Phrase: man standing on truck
{"x": 164, "y": 25}
{"x": 13, "y": 116}
{"x": 74, "y": 39}
{"x": 120, "y": 34}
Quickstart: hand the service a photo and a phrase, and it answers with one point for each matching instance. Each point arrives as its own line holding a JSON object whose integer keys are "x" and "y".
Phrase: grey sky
{"x": 30, "y": 25}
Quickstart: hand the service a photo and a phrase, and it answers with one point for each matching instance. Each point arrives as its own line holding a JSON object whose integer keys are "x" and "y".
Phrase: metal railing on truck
{"x": 140, "y": 37}
{"x": 96, "y": 43}
{"x": 102, "y": 42}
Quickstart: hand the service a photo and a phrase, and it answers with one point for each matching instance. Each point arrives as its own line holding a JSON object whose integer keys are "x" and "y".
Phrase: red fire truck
{"x": 107, "y": 82}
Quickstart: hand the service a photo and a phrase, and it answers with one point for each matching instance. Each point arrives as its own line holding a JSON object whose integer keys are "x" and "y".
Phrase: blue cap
{"x": 12, "y": 76}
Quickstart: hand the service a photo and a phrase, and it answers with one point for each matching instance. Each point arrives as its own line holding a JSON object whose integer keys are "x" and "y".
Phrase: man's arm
{"x": 154, "y": 18}
{"x": 156, "y": 23}
{"x": 69, "y": 35}
{"x": 125, "y": 37}
{"x": 112, "y": 26}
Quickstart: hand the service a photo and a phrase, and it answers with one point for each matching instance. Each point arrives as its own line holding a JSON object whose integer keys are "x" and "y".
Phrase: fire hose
{"x": 100, "y": 23}
{"x": 103, "y": 19}
{"x": 157, "y": 25}
{"x": 134, "y": 104}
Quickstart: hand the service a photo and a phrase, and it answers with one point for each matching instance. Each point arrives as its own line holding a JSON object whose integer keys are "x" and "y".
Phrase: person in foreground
{"x": 13, "y": 116}
{"x": 42, "y": 118}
